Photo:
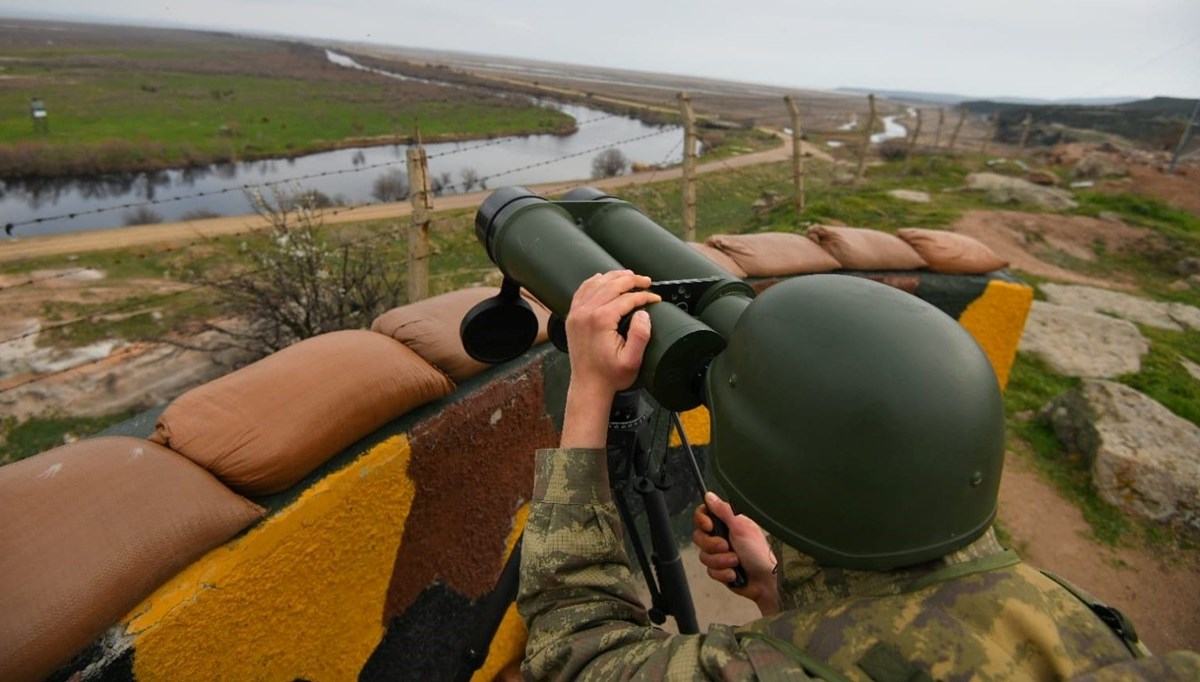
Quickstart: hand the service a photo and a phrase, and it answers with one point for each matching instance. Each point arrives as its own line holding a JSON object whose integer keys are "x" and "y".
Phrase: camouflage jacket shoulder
{"x": 585, "y": 621}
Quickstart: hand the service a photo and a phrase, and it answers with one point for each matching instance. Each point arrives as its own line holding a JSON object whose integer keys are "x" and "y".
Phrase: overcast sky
{"x": 1030, "y": 48}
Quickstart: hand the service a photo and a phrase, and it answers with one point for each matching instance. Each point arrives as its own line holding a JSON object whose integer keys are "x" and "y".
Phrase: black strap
{"x": 1109, "y": 615}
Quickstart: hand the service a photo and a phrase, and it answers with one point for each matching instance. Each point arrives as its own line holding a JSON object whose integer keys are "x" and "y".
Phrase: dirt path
{"x": 168, "y": 233}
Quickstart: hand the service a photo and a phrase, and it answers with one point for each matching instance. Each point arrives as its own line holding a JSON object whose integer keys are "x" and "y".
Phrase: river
{"x": 345, "y": 175}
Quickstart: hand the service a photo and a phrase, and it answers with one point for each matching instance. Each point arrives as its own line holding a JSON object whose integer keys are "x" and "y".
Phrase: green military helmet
{"x": 857, "y": 423}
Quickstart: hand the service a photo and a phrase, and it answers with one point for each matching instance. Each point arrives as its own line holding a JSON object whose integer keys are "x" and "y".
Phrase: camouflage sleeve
{"x": 577, "y": 592}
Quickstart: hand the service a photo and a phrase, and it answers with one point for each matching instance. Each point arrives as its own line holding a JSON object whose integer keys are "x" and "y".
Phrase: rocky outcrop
{"x": 1144, "y": 458}
{"x": 910, "y": 195}
{"x": 1173, "y": 316}
{"x": 1002, "y": 189}
{"x": 1083, "y": 344}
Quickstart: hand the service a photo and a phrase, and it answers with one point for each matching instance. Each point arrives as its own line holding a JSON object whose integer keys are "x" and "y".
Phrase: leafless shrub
{"x": 609, "y": 163}
{"x": 470, "y": 178}
{"x": 305, "y": 282}
{"x": 391, "y": 186}
{"x": 894, "y": 149}
{"x": 142, "y": 215}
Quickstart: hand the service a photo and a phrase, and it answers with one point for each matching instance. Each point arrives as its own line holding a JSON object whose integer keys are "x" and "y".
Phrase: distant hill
{"x": 951, "y": 98}
{"x": 1157, "y": 122}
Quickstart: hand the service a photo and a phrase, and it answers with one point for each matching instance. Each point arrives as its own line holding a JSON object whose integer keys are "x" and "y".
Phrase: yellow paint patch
{"x": 996, "y": 320}
{"x": 297, "y": 597}
{"x": 508, "y": 644}
{"x": 697, "y": 425}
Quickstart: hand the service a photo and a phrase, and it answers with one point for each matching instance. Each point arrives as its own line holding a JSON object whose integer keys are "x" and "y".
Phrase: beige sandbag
{"x": 430, "y": 327}
{"x": 858, "y": 248}
{"x": 89, "y": 529}
{"x": 264, "y": 427}
{"x": 774, "y": 254}
{"x": 952, "y": 253}
{"x": 720, "y": 258}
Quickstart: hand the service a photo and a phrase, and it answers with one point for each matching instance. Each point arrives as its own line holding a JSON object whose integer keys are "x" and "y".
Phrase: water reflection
{"x": 348, "y": 174}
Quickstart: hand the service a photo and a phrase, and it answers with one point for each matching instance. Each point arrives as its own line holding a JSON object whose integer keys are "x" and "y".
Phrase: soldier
{"x": 875, "y": 588}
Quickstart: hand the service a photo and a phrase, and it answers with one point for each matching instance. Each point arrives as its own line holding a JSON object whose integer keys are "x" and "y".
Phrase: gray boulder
{"x": 1083, "y": 344}
{"x": 1173, "y": 316}
{"x": 1145, "y": 459}
{"x": 1002, "y": 189}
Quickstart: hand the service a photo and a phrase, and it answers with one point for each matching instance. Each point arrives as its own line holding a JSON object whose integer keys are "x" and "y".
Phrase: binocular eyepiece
{"x": 551, "y": 247}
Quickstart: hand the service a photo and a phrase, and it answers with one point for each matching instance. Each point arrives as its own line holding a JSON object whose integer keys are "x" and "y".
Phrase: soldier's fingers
{"x": 709, "y": 544}
{"x": 701, "y": 520}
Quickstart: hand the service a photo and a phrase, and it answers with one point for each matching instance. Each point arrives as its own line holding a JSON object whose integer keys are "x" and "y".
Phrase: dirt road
{"x": 167, "y": 233}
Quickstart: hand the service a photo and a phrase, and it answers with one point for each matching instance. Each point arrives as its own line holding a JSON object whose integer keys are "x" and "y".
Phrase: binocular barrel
{"x": 551, "y": 247}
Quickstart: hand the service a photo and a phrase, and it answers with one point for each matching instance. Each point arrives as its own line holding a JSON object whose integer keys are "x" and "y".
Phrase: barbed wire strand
{"x": 335, "y": 212}
{"x": 273, "y": 183}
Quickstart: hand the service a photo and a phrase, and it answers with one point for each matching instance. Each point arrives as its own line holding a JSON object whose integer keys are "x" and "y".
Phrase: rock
{"x": 1043, "y": 178}
{"x": 1145, "y": 459}
{"x": 1110, "y": 217}
{"x": 910, "y": 195}
{"x": 1191, "y": 367}
{"x": 1180, "y": 285}
{"x": 1083, "y": 344}
{"x": 1172, "y": 316}
{"x": 1188, "y": 267}
{"x": 1002, "y": 189}
{"x": 1096, "y": 166}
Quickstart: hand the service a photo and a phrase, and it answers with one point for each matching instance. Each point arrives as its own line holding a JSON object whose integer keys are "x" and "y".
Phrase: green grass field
{"x": 177, "y": 100}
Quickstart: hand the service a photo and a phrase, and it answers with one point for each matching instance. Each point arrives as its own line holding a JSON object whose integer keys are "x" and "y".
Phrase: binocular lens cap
{"x": 498, "y": 329}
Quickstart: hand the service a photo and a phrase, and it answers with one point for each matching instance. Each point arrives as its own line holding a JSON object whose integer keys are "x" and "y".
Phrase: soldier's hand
{"x": 750, "y": 550}
{"x": 602, "y": 361}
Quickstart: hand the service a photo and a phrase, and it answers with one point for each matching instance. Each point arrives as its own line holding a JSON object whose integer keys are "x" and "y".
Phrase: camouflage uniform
{"x": 585, "y": 619}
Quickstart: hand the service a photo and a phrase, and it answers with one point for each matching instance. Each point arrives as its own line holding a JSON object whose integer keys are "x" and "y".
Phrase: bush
{"x": 609, "y": 163}
{"x": 391, "y": 186}
{"x": 143, "y": 215}
{"x": 304, "y": 282}
{"x": 894, "y": 149}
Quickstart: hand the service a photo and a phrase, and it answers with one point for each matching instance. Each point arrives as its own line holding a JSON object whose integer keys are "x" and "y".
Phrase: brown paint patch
{"x": 472, "y": 465}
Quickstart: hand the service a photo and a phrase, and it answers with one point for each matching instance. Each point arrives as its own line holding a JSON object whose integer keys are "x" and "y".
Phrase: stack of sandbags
{"x": 264, "y": 427}
{"x": 89, "y": 530}
{"x": 826, "y": 248}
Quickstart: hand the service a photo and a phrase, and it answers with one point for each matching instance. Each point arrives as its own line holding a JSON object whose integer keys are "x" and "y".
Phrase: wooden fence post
{"x": 1025, "y": 126}
{"x": 797, "y": 154}
{"x": 866, "y": 140}
{"x": 912, "y": 144}
{"x": 418, "y": 229}
{"x": 958, "y": 127}
{"x": 937, "y": 136}
{"x": 689, "y": 167}
{"x": 995, "y": 130}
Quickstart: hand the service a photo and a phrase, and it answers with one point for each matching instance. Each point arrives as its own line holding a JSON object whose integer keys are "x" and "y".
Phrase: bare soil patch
{"x": 1181, "y": 190}
{"x": 1031, "y": 241}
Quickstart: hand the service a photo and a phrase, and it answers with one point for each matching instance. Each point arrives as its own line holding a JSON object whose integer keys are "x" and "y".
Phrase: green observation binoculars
{"x": 851, "y": 420}
{"x": 551, "y": 247}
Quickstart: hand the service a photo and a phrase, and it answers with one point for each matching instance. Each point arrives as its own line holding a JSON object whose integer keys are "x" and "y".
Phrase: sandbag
{"x": 430, "y": 327}
{"x": 774, "y": 254}
{"x": 89, "y": 529}
{"x": 952, "y": 253}
{"x": 858, "y": 248}
{"x": 264, "y": 427}
{"x": 719, "y": 258}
